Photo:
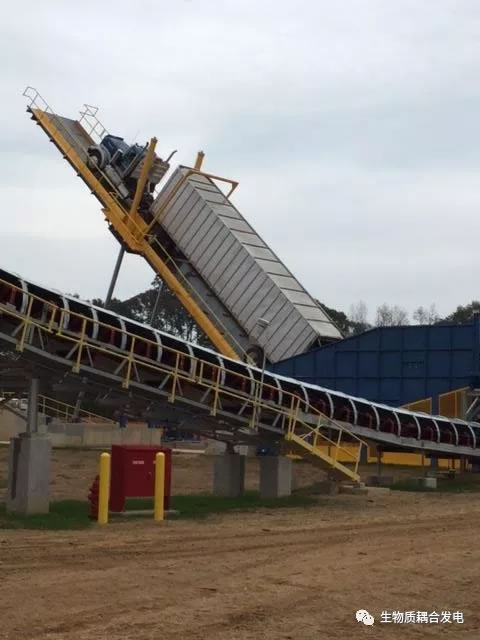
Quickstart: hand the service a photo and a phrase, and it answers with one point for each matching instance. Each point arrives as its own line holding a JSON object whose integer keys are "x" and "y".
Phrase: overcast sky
{"x": 352, "y": 127}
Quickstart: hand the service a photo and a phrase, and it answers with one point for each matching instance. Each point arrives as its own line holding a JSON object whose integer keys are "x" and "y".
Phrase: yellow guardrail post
{"x": 104, "y": 488}
{"x": 159, "y": 499}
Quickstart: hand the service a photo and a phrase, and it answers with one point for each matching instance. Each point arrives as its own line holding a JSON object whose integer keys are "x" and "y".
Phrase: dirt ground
{"x": 297, "y": 574}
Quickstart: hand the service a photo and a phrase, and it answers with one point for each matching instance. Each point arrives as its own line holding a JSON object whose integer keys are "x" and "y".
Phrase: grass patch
{"x": 202, "y": 505}
{"x": 64, "y": 515}
{"x": 73, "y": 514}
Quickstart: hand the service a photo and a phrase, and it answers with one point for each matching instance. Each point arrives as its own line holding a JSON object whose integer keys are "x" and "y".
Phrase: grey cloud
{"x": 351, "y": 128}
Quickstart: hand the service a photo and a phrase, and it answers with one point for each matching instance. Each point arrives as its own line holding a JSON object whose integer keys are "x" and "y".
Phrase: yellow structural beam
{"x": 147, "y": 165}
{"x": 133, "y": 232}
{"x": 199, "y": 160}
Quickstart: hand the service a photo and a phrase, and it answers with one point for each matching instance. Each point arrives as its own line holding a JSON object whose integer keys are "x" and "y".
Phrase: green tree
{"x": 338, "y": 317}
{"x": 463, "y": 314}
{"x": 161, "y": 309}
{"x": 356, "y": 321}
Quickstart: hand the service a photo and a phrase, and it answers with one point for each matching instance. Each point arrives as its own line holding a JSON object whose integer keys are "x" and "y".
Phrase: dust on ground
{"x": 296, "y": 574}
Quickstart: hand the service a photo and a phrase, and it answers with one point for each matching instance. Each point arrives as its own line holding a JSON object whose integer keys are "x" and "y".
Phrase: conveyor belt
{"x": 174, "y": 377}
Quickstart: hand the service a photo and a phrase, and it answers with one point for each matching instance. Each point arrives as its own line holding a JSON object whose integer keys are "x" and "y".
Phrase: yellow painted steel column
{"x": 147, "y": 165}
{"x": 104, "y": 488}
{"x": 158, "y": 507}
{"x": 199, "y": 160}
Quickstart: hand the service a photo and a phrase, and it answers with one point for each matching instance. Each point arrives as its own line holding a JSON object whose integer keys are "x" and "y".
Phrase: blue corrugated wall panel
{"x": 394, "y": 365}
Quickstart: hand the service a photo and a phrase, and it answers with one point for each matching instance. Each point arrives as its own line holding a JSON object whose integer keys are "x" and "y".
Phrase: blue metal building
{"x": 394, "y": 365}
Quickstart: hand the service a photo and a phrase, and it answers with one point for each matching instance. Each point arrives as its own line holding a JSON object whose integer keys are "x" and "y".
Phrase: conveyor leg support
{"x": 29, "y": 464}
{"x": 275, "y": 476}
{"x": 229, "y": 475}
{"x": 29, "y": 474}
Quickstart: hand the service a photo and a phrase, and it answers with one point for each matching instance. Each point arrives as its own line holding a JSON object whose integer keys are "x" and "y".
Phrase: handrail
{"x": 45, "y": 403}
{"x": 53, "y": 322}
{"x": 63, "y": 408}
{"x": 315, "y": 431}
{"x": 91, "y": 112}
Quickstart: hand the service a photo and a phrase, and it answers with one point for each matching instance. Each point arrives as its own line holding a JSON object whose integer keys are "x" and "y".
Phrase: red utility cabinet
{"x": 133, "y": 474}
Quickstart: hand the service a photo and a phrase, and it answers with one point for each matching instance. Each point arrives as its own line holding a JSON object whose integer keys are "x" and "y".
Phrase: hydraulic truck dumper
{"x": 199, "y": 244}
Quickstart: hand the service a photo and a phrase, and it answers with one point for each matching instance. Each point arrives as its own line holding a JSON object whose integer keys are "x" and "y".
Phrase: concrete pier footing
{"x": 229, "y": 475}
{"x": 275, "y": 476}
{"x": 29, "y": 474}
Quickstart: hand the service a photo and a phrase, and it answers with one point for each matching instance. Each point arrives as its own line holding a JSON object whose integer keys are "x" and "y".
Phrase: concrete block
{"x": 73, "y": 429}
{"x": 91, "y": 437}
{"x": 116, "y": 436}
{"x": 229, "y": 475}
{"x": 249, "y": 450}
{"x": 275, "y": 476}
{"x": 29, "y": 474}
{"x": 353, "y": 490}
{"x": 427, "y": 483}
{"x": 56, "y": 427}
{"x": 214, "y": 447}
{"x": 59, "y": 440}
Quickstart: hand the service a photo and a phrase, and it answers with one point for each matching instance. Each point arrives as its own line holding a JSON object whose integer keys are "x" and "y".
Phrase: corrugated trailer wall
{"x": 239, "y": 267}
{"x": 394, "y": 365}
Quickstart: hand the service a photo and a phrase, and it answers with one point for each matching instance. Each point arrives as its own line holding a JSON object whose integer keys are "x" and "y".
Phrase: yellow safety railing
{"x": 65, "y": 411}
{"x": 293, "y": 414}
{"x": 56, "y": 408}
{"x": 313, "y": 438}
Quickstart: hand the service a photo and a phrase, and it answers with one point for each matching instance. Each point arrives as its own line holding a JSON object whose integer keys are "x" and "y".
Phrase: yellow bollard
{"x": 158, "y": 507}
{"x": 104, "y": 488}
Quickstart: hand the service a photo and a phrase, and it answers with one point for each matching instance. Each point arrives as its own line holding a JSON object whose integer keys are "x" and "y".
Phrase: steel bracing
{"x": 137, "y": 365}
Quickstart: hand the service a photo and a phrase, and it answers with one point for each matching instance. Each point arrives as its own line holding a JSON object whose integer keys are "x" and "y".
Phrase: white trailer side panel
{"x": 239, "y": 267}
